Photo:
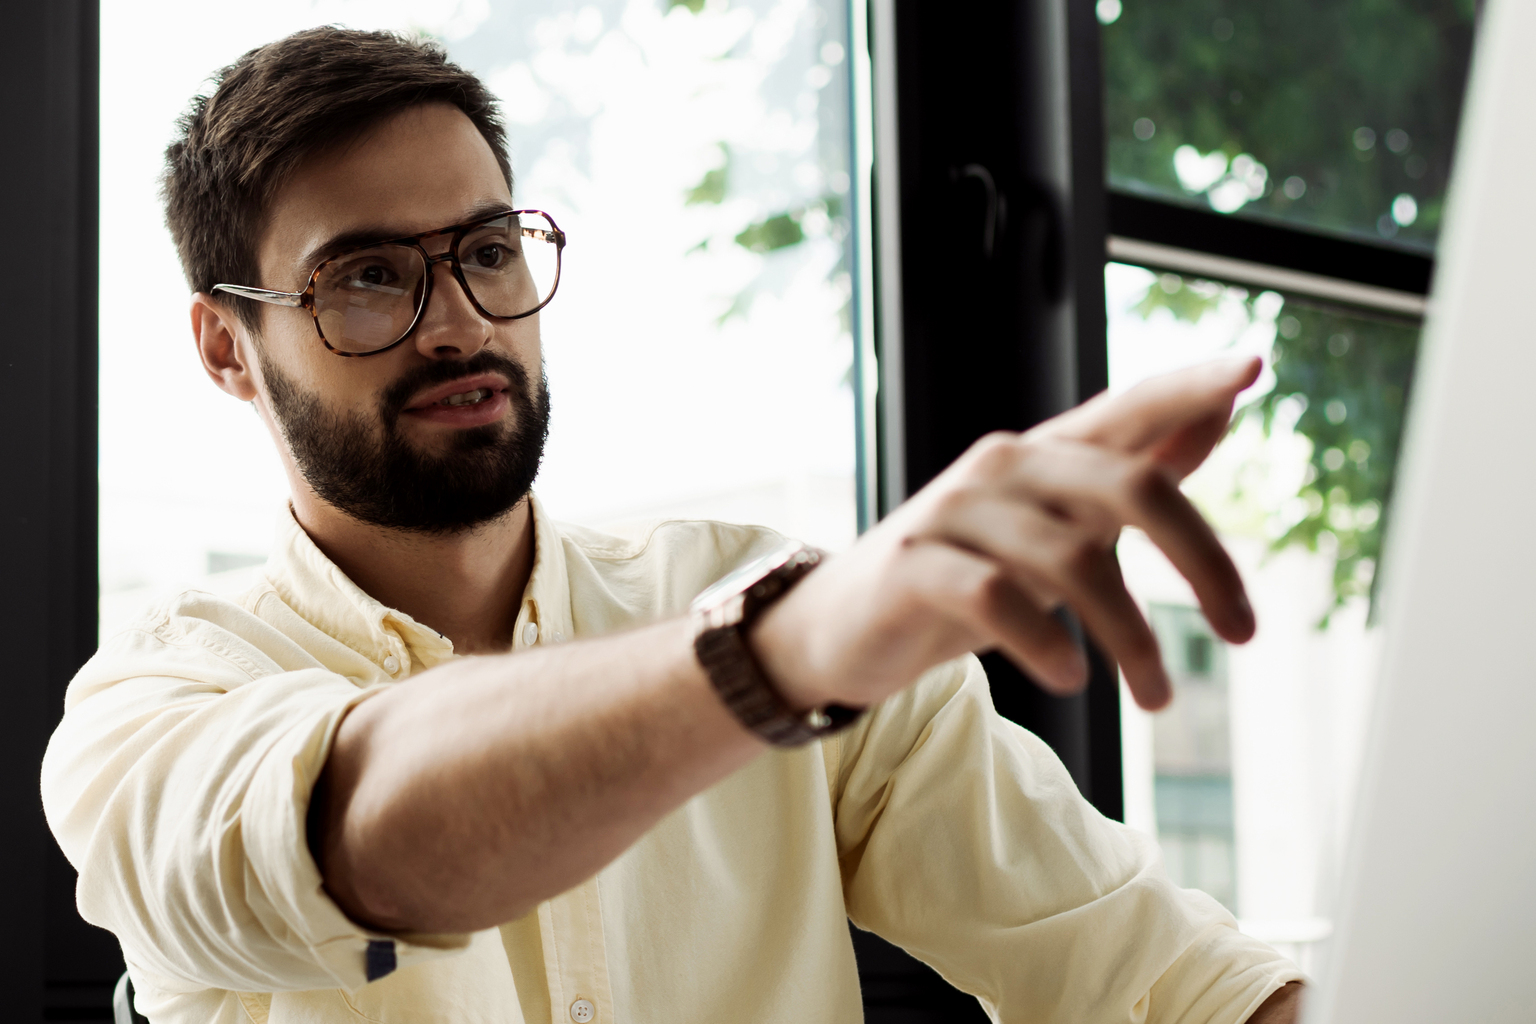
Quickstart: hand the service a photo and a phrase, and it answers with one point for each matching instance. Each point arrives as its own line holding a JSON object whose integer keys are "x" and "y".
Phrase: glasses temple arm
{"x": 262, "y": 294}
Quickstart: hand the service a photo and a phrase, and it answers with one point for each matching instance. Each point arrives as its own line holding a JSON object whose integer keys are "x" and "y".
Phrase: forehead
{"x": 420, "y": 169}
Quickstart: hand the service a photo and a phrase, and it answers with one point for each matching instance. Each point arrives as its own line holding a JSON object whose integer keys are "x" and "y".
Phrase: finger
{"x": 1042, "y": 555}
{"x": 1090, "y": 483}
{"x": 1182, "y": 452}
{"x": 975, "y": 592}
{"x": 1158, "y": 408}
{"x": 1017, "y": 536}
{"x": 1173, "y": 523}
{"x": 1097, "y": 593}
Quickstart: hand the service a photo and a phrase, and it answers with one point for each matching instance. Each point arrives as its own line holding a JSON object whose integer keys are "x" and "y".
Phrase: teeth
{"x": 467, "y": 398}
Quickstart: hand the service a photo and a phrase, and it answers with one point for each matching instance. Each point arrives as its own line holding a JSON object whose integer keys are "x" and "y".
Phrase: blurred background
{"x": 740, "y": 330}
{"x": 698, "y": 157}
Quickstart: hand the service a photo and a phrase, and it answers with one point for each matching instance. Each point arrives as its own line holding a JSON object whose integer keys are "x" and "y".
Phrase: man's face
{"x": 389, "y": 438}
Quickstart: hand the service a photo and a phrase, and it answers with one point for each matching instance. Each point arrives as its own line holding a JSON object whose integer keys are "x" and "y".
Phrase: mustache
{"x": 393, "y": 400}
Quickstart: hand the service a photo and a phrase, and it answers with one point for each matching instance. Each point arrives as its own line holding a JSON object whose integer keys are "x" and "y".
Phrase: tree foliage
{"x": 1343, "y": 105}
{"x": 1322, "y": 113}
{"x": 1350, "y": 376}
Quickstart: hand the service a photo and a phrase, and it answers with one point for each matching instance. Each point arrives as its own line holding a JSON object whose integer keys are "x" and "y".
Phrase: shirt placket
{"x": 575, "y": 957}
{"x": 571, "y": 924}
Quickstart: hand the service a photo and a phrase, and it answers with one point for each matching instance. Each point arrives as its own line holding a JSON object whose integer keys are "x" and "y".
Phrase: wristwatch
{"x": 723, "y": 613}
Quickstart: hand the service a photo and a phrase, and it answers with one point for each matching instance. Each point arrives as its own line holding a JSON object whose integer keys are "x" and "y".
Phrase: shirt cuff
{"x": 273, "y": 824}
{"x": 1221, "y": 978}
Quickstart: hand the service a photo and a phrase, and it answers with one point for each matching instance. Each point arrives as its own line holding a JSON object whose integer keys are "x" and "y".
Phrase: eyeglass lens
{"x": 368, "y": 300}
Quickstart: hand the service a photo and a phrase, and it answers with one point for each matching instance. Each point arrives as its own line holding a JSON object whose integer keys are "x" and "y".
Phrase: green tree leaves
{"x": 776, "y": 232}
{"x": 1345, "y": 104}
{"x": 1352, "y": 375}
{"x": 1343, "y": 378}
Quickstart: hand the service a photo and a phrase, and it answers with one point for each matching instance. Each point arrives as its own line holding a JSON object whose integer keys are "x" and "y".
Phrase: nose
{"x": 450, "y": 327}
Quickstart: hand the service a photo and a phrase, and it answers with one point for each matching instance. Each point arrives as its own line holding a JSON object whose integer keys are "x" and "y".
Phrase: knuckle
{"x": 984, "y": 590}
{"x": 952, "y": 502}
{"x": 961, "y": 497}
{"x": 994, "y": 453}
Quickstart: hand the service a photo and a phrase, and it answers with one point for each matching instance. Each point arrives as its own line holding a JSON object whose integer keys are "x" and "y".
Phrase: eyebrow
{"x": 356, "y": 237}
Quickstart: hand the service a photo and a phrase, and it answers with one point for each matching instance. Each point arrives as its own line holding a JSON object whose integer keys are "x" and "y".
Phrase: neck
{"x": 467, "y": 585}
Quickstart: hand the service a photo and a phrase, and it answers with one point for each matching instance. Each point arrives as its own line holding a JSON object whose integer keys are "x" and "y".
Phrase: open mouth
{"x": 468, "y": 397}
{"x": 462, "y": 395}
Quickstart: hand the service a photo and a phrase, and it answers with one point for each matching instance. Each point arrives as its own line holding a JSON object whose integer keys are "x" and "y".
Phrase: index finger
{"x": 1158, "y": 408}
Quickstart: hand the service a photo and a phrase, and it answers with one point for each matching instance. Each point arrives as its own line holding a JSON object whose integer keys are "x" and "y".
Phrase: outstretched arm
{"x": 467, "y": 795}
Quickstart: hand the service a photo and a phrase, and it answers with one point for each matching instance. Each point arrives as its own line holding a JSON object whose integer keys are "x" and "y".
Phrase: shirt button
{"x": 582, "y": 1011}
{"x": 391, "y": 664}
{"x": 531, "y": 637}
{"x": 559, "y": 637}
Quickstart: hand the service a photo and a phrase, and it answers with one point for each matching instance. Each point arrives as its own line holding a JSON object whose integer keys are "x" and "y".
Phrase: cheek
{"x": 288, "y": 341}
{"x": 520, "y": 339}
{"x": 349, "y": 387}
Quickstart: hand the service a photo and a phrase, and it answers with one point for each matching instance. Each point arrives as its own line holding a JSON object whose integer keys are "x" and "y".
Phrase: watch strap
{"x": 720, "y": 643}
{"x": 746, "y": 692}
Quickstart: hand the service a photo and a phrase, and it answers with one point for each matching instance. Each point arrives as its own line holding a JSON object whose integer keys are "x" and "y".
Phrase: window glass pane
{"x": 1336, "y": 114}
{"x": 698, "y": 350}
{"x": 1246, "y": 778}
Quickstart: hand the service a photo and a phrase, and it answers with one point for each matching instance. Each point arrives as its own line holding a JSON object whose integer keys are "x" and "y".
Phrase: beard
{"x": 365, "y": 468}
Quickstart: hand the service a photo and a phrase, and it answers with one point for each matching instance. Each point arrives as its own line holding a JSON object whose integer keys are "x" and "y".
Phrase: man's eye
{"x": 372, "y": 275}
{"x": 489, "y": 256}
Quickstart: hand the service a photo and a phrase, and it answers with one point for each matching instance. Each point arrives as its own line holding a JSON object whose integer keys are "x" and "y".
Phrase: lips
{"x": 474, "y": 401}
{"x": 468, "y": 397}
{"x": 462, "y": 392}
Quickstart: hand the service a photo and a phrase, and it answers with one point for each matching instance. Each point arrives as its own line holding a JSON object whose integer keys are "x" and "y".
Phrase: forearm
{"x": 464, "y": 797}
{"x": 1284, "y": 1007}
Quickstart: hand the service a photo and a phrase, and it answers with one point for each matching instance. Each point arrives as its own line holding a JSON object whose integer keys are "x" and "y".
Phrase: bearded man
{"x": 452, "y": 762}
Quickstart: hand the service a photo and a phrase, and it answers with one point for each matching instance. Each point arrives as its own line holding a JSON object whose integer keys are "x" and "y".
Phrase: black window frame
{"x": 56, "y": 967}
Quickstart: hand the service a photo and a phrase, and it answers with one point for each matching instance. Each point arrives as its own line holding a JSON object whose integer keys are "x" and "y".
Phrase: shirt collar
{"x": 317, "y": 590}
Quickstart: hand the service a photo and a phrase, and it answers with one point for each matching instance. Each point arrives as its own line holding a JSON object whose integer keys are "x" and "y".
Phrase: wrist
{"x": 778, "y": 639}
{"x": 725, "y": 616}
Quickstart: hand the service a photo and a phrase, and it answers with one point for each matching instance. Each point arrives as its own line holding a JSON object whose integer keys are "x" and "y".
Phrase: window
{"x": 1246, "y": 779}
{"x": 1192, "y": 756}
{"x": 1281, "y": 169}
{"x": 699, "y": 351}
{"x": 1315, "y": 113}
{"x": 1275, "y": 173}
{"x": 1262, "y": 176}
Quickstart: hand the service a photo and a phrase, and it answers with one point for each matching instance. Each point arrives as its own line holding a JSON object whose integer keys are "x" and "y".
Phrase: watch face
{"x": 740, "y": 579}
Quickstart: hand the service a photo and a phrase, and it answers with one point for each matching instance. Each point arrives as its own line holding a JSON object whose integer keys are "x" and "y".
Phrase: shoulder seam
{"x": 609, "y": 555}
{"x": 164, "y": 633}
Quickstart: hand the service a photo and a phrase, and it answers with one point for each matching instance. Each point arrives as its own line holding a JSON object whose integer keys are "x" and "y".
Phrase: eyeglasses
{"x": 369, "y": 299}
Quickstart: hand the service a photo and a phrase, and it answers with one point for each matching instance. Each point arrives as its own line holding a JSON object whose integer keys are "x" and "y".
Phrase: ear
{"x": 224, "y": 345}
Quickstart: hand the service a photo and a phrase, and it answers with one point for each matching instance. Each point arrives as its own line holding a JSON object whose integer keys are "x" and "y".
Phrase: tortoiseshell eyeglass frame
{"x": 306, "y": 297}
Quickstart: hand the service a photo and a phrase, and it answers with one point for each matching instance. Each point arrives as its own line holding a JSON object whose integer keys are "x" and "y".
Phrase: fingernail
{"x": 1076, "y": 672}
{"x": 1159, "y": 693}
{"x": 1245, "y": 610}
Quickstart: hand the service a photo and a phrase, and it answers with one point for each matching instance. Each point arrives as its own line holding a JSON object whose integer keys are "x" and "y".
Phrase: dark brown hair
{"x": 279, "y": 104}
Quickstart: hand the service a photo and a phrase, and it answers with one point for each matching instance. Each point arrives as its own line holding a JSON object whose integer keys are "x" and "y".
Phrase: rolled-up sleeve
{"x": 964, "y": 840}
{"x": 178, "y": 784}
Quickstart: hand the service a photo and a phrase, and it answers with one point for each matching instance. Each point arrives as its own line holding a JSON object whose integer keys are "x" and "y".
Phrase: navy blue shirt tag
{"x": 380, "y": 958}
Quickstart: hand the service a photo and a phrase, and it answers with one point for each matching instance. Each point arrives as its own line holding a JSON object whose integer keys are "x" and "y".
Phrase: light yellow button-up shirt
{"x": 179, "y": 780}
